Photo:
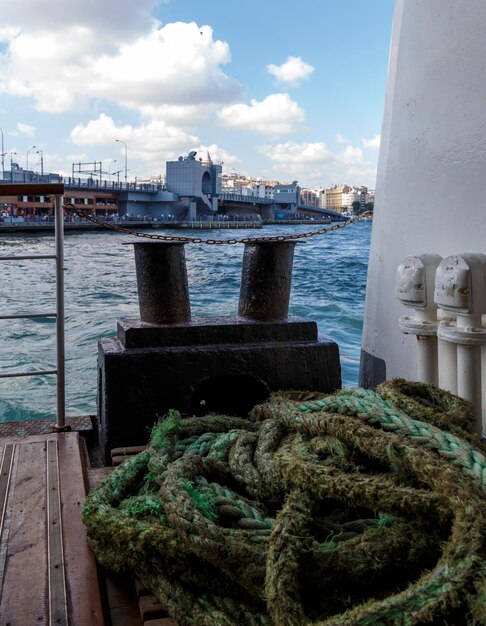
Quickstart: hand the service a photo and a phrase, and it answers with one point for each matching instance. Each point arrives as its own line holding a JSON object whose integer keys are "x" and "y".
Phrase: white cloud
{"x": 277, "y": 115}
{"x": 291, "y": 152}
{"x": 180, "y": 115}
{"x": 177, "y": 64}
{"x": 292, "y": 72}
{"x": 217, "y": 154}
{"x": 154, "y": 142}
{"x": 350, "y": 155}
{"x": 148, "y": 146}
{"x": 343, "y": 140}
{"x": 25, "y": 129}
{"x": 138, "y": 65}
{"x": 109, "y": 19}
{"x": 373, "y": 143}
{"x": 315, "y": 165}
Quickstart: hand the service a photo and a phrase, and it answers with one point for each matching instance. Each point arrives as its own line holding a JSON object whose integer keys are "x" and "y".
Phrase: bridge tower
{"x": 286, "y": 199}
{"x": 197, "y": 182}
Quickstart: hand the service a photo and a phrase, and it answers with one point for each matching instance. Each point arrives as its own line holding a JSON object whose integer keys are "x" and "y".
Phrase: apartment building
{"x": 342, "y": 198}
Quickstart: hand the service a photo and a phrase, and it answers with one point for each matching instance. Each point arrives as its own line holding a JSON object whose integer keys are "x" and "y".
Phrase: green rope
{"x": 369, "y": 406}
{"x": 338, "y": 510}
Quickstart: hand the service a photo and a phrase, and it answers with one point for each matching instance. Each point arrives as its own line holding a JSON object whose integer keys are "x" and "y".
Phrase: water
{"x": 328, "y": 286}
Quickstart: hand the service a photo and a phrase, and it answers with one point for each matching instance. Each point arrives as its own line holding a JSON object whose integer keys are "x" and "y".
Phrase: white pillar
{"x": 427, "y": 359}
{"x": 430, "y": 190}
{"x": 447, "y": 365}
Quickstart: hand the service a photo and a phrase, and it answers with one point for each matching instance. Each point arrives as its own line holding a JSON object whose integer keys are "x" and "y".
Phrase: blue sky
{"x": 283, "y": 93}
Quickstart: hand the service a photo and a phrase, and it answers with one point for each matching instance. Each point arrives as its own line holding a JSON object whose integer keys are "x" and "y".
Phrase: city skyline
{"x": 269, "y": 94}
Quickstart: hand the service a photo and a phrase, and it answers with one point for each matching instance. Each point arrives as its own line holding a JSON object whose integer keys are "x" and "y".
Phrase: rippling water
{"x": 328, "y": 286}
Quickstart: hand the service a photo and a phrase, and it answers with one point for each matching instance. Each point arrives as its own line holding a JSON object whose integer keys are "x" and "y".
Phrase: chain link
{"x": 71, "y": 209}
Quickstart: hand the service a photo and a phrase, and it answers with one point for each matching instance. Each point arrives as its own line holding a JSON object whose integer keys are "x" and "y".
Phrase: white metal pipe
{"x": 469, "y": 367}
{"x": 469, "y": 378}
{"x": 427, "y": 359}
{"x": 483, "y": 390}
{"x": 60, "y": 347}
{"x": 447, "y": 352}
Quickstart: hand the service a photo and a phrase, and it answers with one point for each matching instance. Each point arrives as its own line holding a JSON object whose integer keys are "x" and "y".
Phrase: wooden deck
{"x": 47, "y": 572}
{"x": 48, "y": 575}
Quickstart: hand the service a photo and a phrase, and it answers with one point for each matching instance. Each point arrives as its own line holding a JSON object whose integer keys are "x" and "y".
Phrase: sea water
{"x": 328, "y": 286}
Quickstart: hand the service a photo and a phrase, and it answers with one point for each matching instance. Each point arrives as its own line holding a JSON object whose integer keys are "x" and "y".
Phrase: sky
{"x": 274, "y": 90}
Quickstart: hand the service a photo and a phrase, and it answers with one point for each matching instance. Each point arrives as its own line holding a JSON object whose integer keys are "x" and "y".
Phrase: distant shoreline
{"x": 29, "y": 227}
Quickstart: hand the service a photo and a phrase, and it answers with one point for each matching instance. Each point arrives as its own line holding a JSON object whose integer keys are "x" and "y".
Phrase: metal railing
{"x": 56, "y": 190}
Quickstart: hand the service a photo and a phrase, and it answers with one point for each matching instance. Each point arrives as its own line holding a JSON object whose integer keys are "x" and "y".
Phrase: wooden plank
{"x": 141, "y": 589}
{"x": 96, "y": 475}
{"x": 127, "y": 450}
{"x": 81, "y": 572}
{"x": 122, "y": 600}
{"x": 125, "y": 616}
{"x": 7, "y": 454}
{"x": 24, "y": 594}
{"x": 150, "y": 608}
{"x": 163, "y": 621}
{"x": 46, "y": 484}
{"x": 58, "y": 613}
{"x": 118, "y": 455}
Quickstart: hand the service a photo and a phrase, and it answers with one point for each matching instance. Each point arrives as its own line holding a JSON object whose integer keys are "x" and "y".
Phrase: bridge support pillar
{"x": 192, "y": 211}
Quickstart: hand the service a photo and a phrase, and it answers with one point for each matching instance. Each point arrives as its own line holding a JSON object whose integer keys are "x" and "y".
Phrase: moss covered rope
{"x": 351, "y": 509}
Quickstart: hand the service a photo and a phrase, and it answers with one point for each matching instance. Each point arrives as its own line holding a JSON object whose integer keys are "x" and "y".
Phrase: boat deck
{"x": 48, "y": 575}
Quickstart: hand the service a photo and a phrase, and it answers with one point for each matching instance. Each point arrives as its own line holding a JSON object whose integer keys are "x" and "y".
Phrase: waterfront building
{"x": 342, "y": 198}
{"x": 248, "y": 186}
{"x": 98, "y": 200}
{"x": 309, "y": 197}
{"x": 334, "y": 197}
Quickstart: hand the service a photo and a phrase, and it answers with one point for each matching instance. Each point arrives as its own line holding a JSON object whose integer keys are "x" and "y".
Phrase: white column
{"x": 430, "y": 190}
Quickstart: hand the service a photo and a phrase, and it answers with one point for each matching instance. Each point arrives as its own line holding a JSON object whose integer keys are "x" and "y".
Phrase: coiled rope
{"x": 347, "y": 509}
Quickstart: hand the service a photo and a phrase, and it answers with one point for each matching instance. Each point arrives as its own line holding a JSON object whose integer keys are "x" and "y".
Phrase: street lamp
{"x": 126, "y": 157}
{"x": 3, "y": 157}
{"x": 27, "y": 157}
{"x": 117, "y": 174}
{"x": 11, "y": 168}
{"x": 41, "y": 160}
{"x": 109, "y": 168}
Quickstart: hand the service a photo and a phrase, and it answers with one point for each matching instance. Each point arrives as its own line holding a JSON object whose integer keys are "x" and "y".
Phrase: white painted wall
{"x": 433, "y": 137}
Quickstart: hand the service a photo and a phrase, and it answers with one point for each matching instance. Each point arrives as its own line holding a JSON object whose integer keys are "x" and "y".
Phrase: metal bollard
{"x": 265, "y": 280}
{"x": 415, "y": 289}
{"x": 163, "y": 291}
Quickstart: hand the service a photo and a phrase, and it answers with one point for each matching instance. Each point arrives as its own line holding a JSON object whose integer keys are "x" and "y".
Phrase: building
{"x": 100, "y": 201}
{"x": 247, "y": 186}
{"x": 342, "y": 198}
{"x": 196, "y": 182}
{"x": 286, "y": 199}
{"x": 334, "y": 197}
{"x": 309, "y": 197}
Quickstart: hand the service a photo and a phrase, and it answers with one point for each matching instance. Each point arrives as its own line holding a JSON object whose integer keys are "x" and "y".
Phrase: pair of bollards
{"x": 163, "y": 289}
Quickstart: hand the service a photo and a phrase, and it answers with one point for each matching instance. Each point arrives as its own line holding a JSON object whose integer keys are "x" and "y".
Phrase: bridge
{"x": 228, "y": 199}
{"x": 192, "y": 191}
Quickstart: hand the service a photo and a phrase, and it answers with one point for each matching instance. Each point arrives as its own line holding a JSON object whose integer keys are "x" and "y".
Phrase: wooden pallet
{"x": 129, "y": 603}
{"x": 118, "y": 455}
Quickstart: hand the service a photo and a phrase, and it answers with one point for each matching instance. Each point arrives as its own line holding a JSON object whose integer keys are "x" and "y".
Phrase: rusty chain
{"x": 70, "y": 209}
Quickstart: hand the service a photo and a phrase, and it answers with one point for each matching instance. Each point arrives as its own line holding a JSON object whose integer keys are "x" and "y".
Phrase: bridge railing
{"x": 239, "y": 197}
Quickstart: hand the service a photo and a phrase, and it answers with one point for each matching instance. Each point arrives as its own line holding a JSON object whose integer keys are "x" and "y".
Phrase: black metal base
{"x": 224, "y": 365}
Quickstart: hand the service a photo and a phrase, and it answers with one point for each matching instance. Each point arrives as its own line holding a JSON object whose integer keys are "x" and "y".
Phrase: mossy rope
{"x": 233, "y": 521}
